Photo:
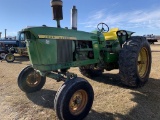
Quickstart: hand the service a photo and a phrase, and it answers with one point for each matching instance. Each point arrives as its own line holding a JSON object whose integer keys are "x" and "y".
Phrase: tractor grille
{"x": 64, "y": 51}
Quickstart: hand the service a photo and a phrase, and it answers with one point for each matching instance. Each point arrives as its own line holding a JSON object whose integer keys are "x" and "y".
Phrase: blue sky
{"x": 140, "y": 16}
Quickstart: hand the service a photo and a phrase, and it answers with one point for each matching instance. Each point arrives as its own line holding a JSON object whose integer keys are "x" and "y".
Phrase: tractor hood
{"x": 60, "y": 33}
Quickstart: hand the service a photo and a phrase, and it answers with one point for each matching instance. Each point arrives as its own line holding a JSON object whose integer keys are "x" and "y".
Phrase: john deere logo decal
{"x": 56, "y": 37}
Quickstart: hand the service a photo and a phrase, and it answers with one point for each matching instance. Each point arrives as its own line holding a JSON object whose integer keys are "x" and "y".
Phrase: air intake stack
{"x": 57, "y": 11}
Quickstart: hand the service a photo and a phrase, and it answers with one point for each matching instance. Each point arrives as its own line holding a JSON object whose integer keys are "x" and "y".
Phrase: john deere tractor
{"x": 54, "y": 50}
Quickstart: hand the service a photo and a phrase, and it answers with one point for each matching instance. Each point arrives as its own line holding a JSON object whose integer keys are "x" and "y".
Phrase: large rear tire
{"x": 74, "y": 100}
{"x": 135, "y": 62}
{"x": 30, "y": 81}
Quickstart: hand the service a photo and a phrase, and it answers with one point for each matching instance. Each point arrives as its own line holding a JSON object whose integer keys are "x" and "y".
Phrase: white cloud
{"x": 134, "y": 19}
{"x": 98, "y": 15}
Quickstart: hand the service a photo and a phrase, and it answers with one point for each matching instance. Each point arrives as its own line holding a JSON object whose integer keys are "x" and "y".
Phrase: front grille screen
{"x": 64, "y": 51}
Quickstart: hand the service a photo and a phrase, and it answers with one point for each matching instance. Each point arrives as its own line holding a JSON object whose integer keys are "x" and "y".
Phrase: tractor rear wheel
{"x": 135, "y": 62}
{"x": 30, "y": 81}
{"x": 9, "y": 57}
{"x": 74, "y": 99}
{"x": 90, "y": 73}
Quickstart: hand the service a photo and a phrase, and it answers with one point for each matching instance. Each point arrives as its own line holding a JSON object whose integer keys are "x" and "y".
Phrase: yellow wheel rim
{"x": 10, "y": 57}
{"x": 33, "y": 79}
{"x": 143, "y": 62}
{"x": 78, "y": 102}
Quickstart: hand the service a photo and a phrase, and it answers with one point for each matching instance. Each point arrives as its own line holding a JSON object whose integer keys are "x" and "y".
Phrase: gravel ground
{"x": 112, "y": 100}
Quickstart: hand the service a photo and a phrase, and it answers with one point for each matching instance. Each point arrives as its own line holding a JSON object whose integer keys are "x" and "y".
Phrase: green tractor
{"x": 54, "y": 50}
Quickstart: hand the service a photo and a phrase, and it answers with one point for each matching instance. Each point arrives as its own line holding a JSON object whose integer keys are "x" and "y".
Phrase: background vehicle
{"x": 3, "y": 51}
{"x": 53, "y": 50}
{"x": 151, "y": 38}
{"x": 9, "y": 47}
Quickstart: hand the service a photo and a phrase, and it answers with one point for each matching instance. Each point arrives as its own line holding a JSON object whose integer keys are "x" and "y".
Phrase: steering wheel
{"x": 103, "y": 27}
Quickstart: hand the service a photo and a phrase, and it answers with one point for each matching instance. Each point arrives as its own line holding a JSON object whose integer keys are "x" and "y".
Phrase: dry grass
{"x": 112, "y": 100}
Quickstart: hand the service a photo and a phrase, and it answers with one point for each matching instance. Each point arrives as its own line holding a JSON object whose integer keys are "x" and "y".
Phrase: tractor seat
{"x": 111, "y": 35}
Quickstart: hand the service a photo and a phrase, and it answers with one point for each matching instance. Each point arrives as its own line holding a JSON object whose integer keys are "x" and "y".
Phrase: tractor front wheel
{"x": 135, "y": 62}
{"x": 30, "y": 81}
{"x": 9, "y": 57}
{"x": 74, "y": 99}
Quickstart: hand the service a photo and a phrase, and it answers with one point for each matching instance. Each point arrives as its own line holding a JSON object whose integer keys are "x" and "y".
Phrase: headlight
{"x": 124, "y": 33}
{"x": 121, "y": 33}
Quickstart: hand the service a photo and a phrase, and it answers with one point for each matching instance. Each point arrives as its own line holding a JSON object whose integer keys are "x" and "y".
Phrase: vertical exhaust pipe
{"x": 74, "y": 18}
{"x": 5, "y": 33}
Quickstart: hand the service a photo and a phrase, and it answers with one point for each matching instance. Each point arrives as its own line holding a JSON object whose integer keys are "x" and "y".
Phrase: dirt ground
{"x": 112, "y": 100}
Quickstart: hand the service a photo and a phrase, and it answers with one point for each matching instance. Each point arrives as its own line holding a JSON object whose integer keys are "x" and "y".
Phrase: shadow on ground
{"x": 147, "y": 100}
{"x": 44, "y": 98}
{"x": 111, "y": 79}
{"x": 20, "y": 59}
